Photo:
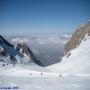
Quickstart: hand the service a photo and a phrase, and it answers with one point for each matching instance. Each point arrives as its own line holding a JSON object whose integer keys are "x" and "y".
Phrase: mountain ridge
{"x": 77, "y": 36}
{"x": 16, "y": 54}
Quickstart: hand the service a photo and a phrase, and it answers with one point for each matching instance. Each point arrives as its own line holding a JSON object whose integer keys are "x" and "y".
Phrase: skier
{"x": 30, "y": 73}
{"x": 60, "y": 75}
{"x": 41, "y": 73}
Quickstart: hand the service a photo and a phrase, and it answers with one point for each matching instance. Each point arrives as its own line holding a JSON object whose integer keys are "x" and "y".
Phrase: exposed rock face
{"x": 21, "y": 54}
{"x": 25, "y": 50}
{"x": 77, "y": 36}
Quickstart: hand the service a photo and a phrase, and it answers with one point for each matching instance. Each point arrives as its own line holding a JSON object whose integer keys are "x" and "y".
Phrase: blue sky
{"x": 42, "y": 16}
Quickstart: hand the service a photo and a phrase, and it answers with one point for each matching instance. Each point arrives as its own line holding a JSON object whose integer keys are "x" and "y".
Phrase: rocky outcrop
{"x": 19, "y": 54}
{"x": 77, "y": 36}
{"x": 26, "y": 51}
{"x": 23, "y": 48}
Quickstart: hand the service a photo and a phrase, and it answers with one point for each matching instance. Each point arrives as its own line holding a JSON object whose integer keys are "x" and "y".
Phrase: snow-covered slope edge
{"x": 77, "y": 62}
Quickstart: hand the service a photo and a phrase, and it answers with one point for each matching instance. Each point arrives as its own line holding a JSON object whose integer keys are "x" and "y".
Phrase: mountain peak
{"x": 77, "y": 36}
{"x": 21, "y": 54}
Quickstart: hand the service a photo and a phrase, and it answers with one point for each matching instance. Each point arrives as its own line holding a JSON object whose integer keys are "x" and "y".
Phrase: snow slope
{"x": 77, "y": 62}
{"x": 71, "y": 74}
{"x": 24, "y": 79}
{"x": 41, "y": 83}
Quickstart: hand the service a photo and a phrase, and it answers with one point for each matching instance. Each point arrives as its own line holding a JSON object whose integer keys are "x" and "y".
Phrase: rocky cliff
{"x": 77, "y": 36}
{"x": 19, "y": 54}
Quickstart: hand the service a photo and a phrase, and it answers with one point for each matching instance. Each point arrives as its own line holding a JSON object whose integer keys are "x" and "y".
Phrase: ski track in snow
{"x": 45, "y": 83}
{"x": 24, "y": 79}
{"x": 68, "y": 75}
{"x": 21, "y": 72}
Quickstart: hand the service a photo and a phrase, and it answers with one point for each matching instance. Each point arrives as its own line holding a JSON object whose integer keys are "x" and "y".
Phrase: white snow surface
{"x": 72, "y": 73}
{"x": 25, "y": 79}
{"x": 77, "y": 62}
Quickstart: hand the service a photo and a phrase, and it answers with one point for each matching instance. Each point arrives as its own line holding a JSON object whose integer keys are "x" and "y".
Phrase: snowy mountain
{"x": 77, "y": 53}
{"x": 77, "y": 37}
{"x": 20, "y": 53}
{"x": 48, "y": 47}
{"x": 77, "y": 62}
{"x": 71, "y": 73}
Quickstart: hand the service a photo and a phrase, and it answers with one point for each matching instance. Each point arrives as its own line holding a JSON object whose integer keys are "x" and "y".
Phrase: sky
{"x": 42, "y": 16}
